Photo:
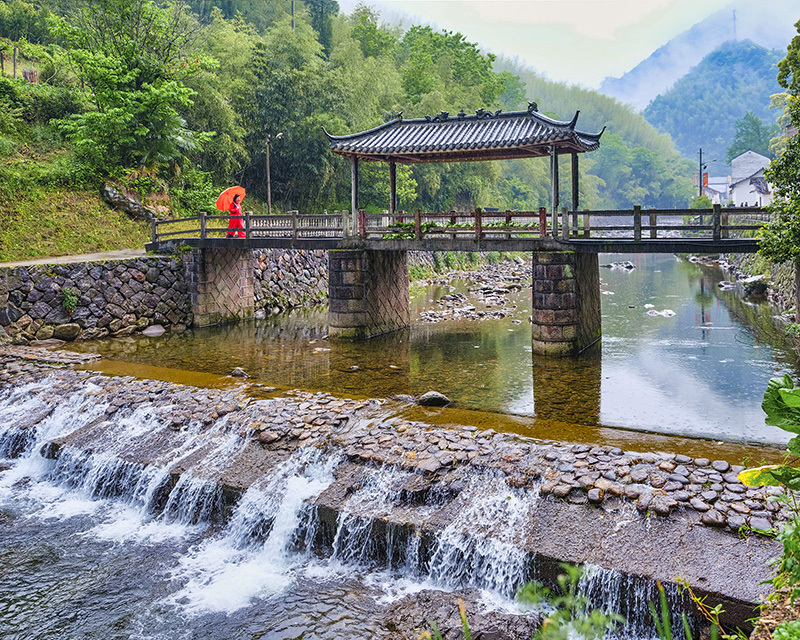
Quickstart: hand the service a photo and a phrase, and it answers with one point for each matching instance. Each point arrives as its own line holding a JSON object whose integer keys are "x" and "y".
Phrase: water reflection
{"x": 675, "y": 358}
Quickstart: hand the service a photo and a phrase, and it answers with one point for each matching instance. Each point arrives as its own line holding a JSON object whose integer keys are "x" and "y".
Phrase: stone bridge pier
{"x": 368, "y": 296}
{"x": 566, "y": 302}
{"x": 367, "y": 292}
{"x": 220, "y": 282}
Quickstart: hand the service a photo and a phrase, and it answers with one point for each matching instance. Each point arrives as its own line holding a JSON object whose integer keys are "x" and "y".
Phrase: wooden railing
{"x": 292, "y": 224}
{"x": 635, "y": 224}
{"x": 662, "y": 224}
{"x": 453, "y": 225}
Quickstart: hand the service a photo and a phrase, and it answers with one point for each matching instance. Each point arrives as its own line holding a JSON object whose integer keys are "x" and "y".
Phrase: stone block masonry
{"x": 120, "y": 297}
{"x": 220, "y": 285}
{"x": 367, "y": 292}
{"x": 284, "y": 279}
{"x": 112, "y": 298}
{"x": 566, "y": 302}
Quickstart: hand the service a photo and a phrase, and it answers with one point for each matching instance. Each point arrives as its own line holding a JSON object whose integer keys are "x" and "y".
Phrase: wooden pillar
{"x": 353, "y": 196}
{"x": 575, "y": 182}
{"x": 392, "y": 187}
{"x": 554, "y": 189}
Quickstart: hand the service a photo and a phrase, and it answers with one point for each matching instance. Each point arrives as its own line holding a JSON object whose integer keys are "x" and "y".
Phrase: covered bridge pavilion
{"x": 487, "y": 135}
{"x": 368, "y": 288}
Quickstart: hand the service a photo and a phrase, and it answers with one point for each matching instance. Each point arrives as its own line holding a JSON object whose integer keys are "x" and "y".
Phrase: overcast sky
{"x": 574, "y": 41}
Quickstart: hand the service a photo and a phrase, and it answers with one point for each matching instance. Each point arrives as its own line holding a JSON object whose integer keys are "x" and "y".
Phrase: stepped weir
{"x": 296, "y": 478}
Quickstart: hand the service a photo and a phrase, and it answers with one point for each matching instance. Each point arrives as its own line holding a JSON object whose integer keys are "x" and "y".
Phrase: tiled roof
{"x": 484, "y": 136}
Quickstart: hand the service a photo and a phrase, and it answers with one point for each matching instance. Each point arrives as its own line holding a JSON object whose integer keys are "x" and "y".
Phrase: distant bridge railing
{"x": 635, "y": 224}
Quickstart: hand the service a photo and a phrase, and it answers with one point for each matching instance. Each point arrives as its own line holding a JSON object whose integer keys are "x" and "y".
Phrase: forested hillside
{"x": 769, "y": 24}
{"x": 175, "y": 101}
{"x": 702, "y": 108}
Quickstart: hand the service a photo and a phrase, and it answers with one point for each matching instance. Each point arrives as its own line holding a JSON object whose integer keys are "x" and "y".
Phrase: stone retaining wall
{"x": 289, "y": 278}
{"x": 116, "y": 298}
{"x": 119, "y": 297}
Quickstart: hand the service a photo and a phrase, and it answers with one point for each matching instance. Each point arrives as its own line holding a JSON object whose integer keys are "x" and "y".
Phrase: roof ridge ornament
{"x": 461, "y": 115}
{"x": 532, "y": 106}
{"x": 483, "y": 113}
{"x": 439, "y": 117}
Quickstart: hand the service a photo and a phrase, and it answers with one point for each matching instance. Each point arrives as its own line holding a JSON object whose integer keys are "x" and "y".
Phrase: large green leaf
{"x": 780, "y": 412}
{"x": 760, "y": 476}
{"x": 773, "y": 475}
{"x": 794, "y": 446}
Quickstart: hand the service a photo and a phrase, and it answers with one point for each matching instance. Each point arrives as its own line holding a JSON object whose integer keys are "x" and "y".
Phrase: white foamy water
{"x": 226, "y": 574}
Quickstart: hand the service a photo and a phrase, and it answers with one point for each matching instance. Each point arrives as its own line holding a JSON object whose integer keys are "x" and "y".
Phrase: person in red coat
{"x": 236, "y": 218}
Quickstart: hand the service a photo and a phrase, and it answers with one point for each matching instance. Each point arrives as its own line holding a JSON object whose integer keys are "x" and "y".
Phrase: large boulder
{"x": 128, "y": 204}
{"x": 433, "y": 399}
{"x": 67, "y": 332}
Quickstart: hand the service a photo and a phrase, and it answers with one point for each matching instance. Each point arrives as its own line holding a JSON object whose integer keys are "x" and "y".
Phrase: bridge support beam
{"x": 220, "y": 285}
{"x": 566, "y": 302}
{"x": 367, "y": 292}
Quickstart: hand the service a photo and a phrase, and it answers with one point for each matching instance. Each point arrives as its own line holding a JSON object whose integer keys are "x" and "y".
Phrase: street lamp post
{"x": 269, "y": 181}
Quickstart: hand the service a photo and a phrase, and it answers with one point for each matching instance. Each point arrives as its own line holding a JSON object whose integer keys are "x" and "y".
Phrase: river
{"x": 83, "y": 556}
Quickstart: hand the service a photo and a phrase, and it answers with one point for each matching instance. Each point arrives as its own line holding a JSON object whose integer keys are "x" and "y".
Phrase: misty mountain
{"x": 702, "y": 108}
{"x": 769, "y": 24}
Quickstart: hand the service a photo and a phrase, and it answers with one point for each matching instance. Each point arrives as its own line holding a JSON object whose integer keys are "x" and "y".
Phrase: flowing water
{"x": 94, "y": 546}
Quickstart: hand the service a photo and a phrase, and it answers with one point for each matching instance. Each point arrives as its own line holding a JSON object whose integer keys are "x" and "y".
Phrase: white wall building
{"x": 748, "y": 186}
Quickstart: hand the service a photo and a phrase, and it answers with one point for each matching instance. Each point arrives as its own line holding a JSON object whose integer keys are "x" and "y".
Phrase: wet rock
{"x": 238, "y": 372}
{"x": 698, "y": 505}
{"x": 595, "y": 495}
{"x": 153, "y": 331}
{"x": 736, "y": 521}
{"x": 66, "y": 332}
{"x": 720, "y": 465}
{"x": 433, "y": 399}
{"x": 761, "y": 524}
{"x": 713, "y": 518}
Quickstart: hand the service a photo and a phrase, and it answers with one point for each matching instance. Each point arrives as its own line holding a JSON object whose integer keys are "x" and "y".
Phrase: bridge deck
{"x": 714, "y": 230}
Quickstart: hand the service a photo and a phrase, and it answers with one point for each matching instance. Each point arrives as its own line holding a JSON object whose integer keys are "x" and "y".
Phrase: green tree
{"x": 780, "y": 238}
{"x": 321, "y": 12}
{"x": 22, "y": 20}
{"x": 132, "y": 56}
{"x": 373, "y": 39}
{"x": 444, "y": 61}
{"x": 513, "y": 96}
{"x": 751, "y": 135}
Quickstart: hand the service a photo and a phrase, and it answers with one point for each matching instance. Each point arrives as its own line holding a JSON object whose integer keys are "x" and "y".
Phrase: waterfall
{"x": 238, "y": 546}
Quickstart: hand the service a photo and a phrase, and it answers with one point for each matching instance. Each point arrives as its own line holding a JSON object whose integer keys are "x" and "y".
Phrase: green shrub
{"x": 69, "y": 299}
{"x": 7, "y": 146}
{"x": 789, "y": 630}
{"x": 194, "y": 192}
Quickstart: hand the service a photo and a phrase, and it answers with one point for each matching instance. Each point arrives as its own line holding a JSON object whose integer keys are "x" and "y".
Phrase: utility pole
{"x": 734, "y": 25}
{"x": 293, "y": 15}
{"x": 269, "y": 186}
{"x": 700, "y": 177}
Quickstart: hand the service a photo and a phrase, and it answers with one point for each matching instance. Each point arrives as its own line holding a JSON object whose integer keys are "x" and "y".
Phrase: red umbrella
{"x": 226, "y": 197}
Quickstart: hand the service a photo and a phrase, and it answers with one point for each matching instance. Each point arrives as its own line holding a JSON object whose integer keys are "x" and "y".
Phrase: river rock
{"x": 713, "y": 518}
{"x": 720, "y": 465}
{"x": 760, "y": 524}
{"x": 67, "y": 332}
{"x": 433, "y": 399}
{"x": 154, "y": 330}
{"x": 699, "y": 505}
{"x": 595, "y": 495}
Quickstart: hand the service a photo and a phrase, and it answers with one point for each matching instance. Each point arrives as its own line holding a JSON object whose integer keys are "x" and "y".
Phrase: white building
{"x": 748, "y": 186}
